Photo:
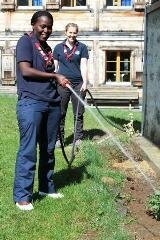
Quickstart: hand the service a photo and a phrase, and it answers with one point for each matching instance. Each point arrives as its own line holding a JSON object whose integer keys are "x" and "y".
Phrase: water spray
{"x": 113, "y": 138}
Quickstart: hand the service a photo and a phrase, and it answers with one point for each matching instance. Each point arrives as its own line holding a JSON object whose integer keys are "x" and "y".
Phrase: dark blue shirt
{"x": 70, "y": 68}
{"x": 39, "y": 89}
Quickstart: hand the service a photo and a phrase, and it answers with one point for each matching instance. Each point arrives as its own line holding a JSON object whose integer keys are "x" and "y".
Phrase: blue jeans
{"x": 38, "y": 123}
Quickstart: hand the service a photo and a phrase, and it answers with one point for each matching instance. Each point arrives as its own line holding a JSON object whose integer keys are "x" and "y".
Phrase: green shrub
{"x": 153, "y": 205}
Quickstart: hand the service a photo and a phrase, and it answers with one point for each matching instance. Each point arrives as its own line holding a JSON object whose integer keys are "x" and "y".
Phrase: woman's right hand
{"x": 62, "y": 80}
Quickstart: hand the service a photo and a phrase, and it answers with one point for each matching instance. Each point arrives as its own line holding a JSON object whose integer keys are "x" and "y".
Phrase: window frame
{"x": 30, "y": 6}
{"x": 119, "y": 7}
{"x": 74, "y": 7}
{"x": 117, "y": 62}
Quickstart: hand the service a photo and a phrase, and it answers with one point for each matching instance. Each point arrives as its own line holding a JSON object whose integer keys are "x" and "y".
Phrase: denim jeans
{"x": 38, "y": 124}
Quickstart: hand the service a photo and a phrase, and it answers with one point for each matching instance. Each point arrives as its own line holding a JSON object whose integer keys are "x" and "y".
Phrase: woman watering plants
{"x": 70, "y": 58}
{"x": 38, "y": 111}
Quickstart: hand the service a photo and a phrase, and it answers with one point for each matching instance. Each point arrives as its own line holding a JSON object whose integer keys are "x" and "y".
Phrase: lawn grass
{"x": 88, "y": 210}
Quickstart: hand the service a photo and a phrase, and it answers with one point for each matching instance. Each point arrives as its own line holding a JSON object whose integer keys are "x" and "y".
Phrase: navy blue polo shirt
{"x": 39, "y": 89}
{"x": 70, "y": 68}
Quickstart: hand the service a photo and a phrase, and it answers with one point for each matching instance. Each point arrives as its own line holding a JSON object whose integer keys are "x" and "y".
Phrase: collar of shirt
{"x": 76, "y": 43}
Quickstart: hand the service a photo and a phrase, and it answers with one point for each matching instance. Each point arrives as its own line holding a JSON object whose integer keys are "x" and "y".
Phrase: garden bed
{"x": 135, "y": 195}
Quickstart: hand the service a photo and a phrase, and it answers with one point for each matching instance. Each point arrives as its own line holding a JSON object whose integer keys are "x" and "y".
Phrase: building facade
{"x": 112, "y": 30}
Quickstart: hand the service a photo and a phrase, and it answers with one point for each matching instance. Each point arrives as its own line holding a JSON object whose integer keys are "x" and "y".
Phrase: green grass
{"x": 88, "y": 210}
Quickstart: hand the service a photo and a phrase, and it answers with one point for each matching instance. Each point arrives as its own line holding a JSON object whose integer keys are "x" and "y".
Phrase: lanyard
{"x": 46, "y": 55}
{"x": 69, "y": 56}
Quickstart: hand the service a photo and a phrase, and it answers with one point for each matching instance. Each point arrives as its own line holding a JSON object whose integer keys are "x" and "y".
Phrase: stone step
{"x": 8, "y": 89}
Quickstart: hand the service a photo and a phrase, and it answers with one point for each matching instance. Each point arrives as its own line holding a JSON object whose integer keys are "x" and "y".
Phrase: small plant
{"x": 129, "y": 128}
{"x": 153, "y": 205}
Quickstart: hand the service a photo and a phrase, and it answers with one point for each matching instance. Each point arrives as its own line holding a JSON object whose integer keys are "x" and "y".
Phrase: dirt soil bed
{"x": 137, "y": 189}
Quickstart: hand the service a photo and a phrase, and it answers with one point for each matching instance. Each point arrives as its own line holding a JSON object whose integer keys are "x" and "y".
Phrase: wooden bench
{"x": 114, "y": 95}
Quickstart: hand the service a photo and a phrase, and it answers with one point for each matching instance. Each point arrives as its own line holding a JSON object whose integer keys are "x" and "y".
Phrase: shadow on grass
{"x": 69, "y": 176}
{"x": 92, "y": 133}
{"x": 88, "y": 135}
{"x": 121, "y": 121}
{"x": 66, "y": 177}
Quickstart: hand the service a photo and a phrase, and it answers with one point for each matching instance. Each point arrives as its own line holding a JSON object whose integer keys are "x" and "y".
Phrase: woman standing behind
{"x": 70, "y": 58}
{"x": 38, "y": 111}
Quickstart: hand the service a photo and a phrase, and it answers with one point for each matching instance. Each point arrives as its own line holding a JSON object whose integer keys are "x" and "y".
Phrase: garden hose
{"x": 72, "y": 157}
{"x": 104, "y": 117}
{"x": 74, "y": 138}
{"x": 62, "y": 148}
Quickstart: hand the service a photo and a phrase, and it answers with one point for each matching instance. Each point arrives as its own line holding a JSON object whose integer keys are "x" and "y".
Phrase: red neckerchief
{"x": 47, "y": 54}
{"x": 69, "y": 56}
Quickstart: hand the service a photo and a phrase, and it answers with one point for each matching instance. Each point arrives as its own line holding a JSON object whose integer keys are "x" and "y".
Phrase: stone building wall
{"x": 151, "y": 96}
{"x": 101, "y": 28}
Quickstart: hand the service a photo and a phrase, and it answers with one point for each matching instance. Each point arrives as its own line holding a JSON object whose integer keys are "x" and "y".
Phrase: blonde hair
{"x": 71, "y": 25}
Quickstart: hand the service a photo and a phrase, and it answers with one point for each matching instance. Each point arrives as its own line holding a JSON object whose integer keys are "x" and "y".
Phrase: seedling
{"x": 129, "y": 128}
{"x": 153, "y": 205}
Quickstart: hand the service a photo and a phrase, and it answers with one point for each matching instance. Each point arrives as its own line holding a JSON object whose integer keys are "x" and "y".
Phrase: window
{"x": 29, "y": 2}
{"x": 118, "y": 3}
{"x": 118, "y": 66}
{"x": 73, "y": 3}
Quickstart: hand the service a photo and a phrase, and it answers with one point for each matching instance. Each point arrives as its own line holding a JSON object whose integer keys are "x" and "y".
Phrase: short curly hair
{"x": 38, "y": 14}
